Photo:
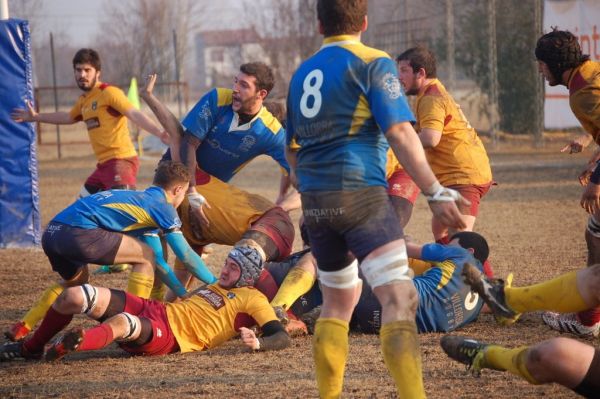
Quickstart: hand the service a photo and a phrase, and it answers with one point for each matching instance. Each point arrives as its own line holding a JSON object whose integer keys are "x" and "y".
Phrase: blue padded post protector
{"x": 19, "y": 189}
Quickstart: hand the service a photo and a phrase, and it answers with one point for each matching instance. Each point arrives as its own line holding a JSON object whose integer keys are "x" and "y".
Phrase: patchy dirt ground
{"x": 532, "y": 220}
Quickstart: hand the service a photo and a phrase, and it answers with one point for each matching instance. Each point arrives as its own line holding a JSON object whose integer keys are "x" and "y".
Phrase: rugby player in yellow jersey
{"x": 105, "y": 110}
{"x": 561, "y": 62}
{"x": 204, "y": 320}
{"x": 453, "y": 149}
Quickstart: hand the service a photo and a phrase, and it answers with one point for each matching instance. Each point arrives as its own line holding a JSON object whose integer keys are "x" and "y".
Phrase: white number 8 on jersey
{"x": 311, "y": 85}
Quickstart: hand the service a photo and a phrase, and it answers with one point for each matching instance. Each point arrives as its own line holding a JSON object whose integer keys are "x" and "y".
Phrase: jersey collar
{"x": 235, "y": 126}
{"x": 339, "y": 40}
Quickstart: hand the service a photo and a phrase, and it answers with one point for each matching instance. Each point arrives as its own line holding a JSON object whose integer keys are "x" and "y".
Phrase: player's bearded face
{"x": 86, "y": 76}
{"x": 246, "y": 97}
{"x": 408, "y": 78}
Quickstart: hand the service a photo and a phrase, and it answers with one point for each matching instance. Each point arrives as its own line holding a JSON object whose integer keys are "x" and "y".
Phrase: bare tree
{"x": 288, "y": 31}
{"x": 140, "y": 38}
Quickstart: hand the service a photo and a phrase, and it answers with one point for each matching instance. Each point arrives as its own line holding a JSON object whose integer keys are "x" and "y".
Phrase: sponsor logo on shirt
{"x": 215, "y": 299}
{"x": 391, "y": 84}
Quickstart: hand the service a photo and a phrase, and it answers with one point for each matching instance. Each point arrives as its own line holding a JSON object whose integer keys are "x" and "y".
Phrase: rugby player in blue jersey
{"x": 446, "y": 302}
{"x": 118, "y": 226}
{"x": 222, "y": 133}
{"x": 345, "y": 103}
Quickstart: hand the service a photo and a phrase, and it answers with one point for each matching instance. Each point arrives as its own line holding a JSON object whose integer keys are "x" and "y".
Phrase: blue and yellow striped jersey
{"x": 124, "y": 211}
{"x": 228, "y": 146}
{"x": 340, "y": 101}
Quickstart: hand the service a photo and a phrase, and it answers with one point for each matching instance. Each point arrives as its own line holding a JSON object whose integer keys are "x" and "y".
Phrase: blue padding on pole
{"x": 19, "y": 188}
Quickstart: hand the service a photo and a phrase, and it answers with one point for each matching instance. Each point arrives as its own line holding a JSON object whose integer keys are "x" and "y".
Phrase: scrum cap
{"x": 250, "y": 263}
{"x": 560, "y": 50}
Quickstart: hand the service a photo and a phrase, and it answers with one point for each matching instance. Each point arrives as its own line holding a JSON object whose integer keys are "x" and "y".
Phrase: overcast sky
{"x": 79, "y": 19}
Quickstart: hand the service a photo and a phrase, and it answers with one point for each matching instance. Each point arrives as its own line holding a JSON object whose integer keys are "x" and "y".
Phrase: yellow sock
{"x": 140, "y": 284}
{"x": 158, "y": 292}
{"x": 330, "y": 351}
{"x": 400, "y": 347}
{"x": 39, "y": 309}
{"x": 512, "y": 360}
{"x": 559, "y": 294}
{"x": 297, "y": 282}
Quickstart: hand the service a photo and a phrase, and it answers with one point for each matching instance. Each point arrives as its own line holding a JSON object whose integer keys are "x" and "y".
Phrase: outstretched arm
{"x": 140, "y": 119}
{"x": 166, "y": 118}
{"x": 192, "y": 261}
{"x": 162, "y": 267}
{"x": 30, "y": 115}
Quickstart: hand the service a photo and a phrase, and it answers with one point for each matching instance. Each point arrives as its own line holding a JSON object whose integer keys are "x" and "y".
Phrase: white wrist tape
{"x": 444, "y": 194}
{"x": 196, "y": 200}
{"x": 256, "y": 345}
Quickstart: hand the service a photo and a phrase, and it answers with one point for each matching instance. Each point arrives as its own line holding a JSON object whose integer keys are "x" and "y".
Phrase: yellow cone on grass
{"x": 134, "y": 99}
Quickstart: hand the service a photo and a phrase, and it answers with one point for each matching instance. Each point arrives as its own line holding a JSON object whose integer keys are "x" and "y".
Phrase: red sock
{"x": 96, "y": 338}
{"x": 589, "y": 317}
{"x": 443, "y": 240}
{"x": 53, "y": 323}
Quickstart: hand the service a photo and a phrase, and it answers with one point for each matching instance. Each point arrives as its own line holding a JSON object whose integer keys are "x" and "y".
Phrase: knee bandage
{"x": 386, "y": 268}
{"x": 133, "y": 327}
{"x": 593, "y": 227}
{"x": 90, "y": 298}
{"x": 345, "y": 278}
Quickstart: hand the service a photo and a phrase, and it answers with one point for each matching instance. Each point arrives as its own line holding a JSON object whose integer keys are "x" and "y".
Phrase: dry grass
{"x": 532, "y": 220}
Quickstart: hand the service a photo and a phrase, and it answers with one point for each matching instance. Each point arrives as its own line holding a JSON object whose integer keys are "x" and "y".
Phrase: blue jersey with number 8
{"x": 340, "y": 102}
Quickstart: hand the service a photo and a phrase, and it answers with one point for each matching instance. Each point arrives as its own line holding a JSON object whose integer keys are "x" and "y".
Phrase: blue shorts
{"x": 70, "y": 248}
{"x": 342, "y": 225}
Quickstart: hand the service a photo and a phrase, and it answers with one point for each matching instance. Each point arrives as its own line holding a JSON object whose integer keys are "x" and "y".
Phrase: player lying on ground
{"x": 445, "y": 301}
{"x": 564, "y": 361}
{"x": 118, "y": 226}
{"x": 204, "y": 320}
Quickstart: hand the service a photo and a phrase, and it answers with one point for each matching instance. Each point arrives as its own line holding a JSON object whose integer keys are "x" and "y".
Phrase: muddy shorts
{"x": 69, "y": 248}
{"x": 342, "y": 225}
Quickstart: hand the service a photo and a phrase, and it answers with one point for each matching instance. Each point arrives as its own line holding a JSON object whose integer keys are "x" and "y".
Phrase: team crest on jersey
{"x": 230, "y": 295}
{"x": 94, "y": 105}
{"x": 247, "y": 143}
{"x": 204, "y": 112}
{"x": 391, "y": 84}
{"x": 214, "y": 299}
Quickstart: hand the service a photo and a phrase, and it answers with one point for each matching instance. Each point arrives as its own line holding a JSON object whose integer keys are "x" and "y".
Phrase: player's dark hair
{"x": 470, "y": 239}
{"x": 170, "y": 173}
{"x": 262, "y": 73}
{"x": 87, "y": 56}
{"x": 420, "y": 57}
{"x": 340, "y": 17}
{"x": 559, "y": 50}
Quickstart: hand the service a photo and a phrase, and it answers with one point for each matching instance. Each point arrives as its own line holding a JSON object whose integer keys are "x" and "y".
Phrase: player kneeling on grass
{"x": 118, "y": 226}
{"x": 204, "y": 320}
